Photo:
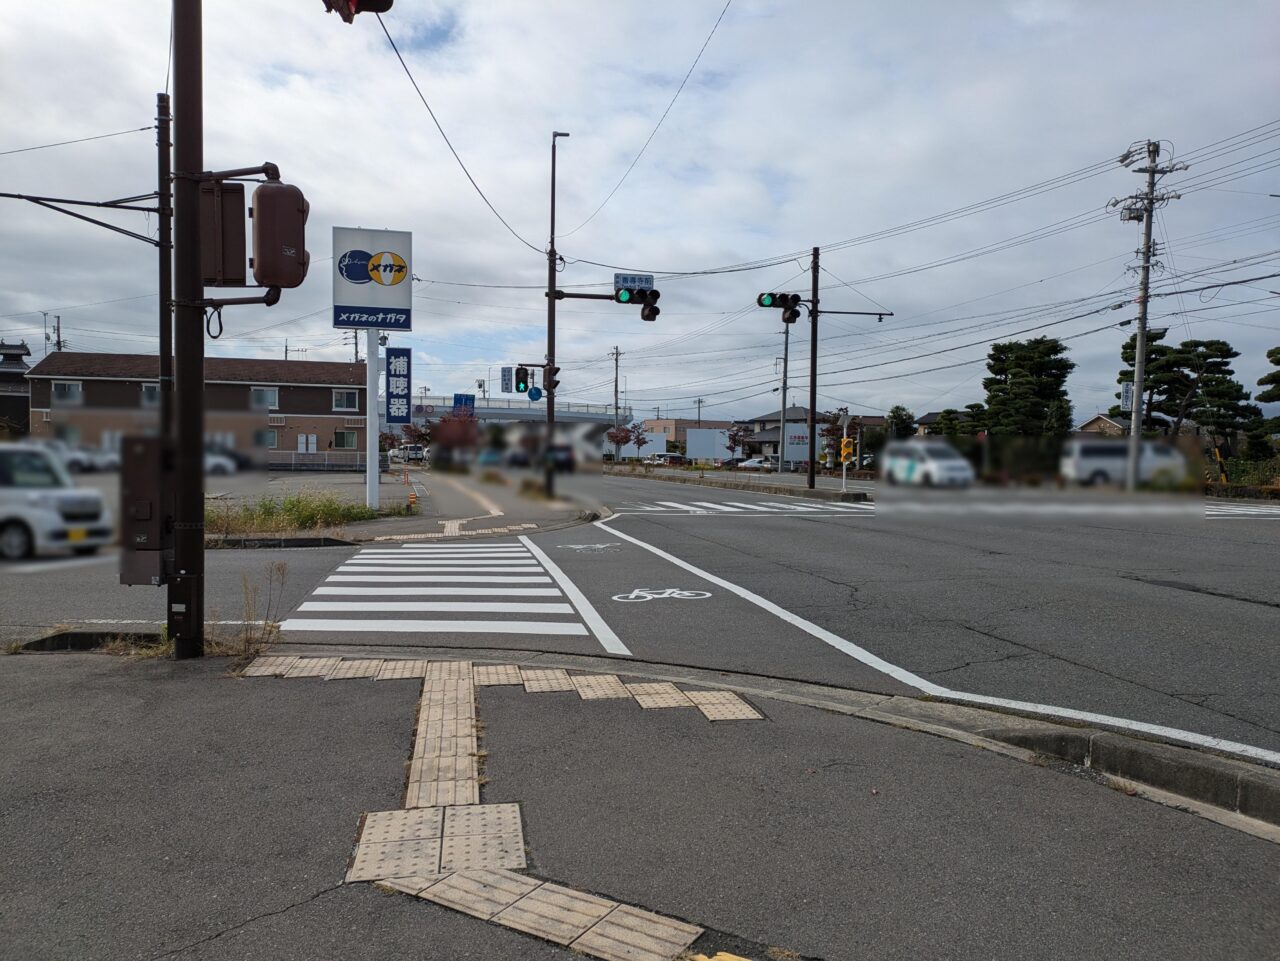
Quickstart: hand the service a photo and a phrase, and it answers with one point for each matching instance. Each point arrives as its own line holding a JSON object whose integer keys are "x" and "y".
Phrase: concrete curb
{"x": 786, "y": 490}
{"x": 1206, "y": 780}
{"x": 252, "y": 543}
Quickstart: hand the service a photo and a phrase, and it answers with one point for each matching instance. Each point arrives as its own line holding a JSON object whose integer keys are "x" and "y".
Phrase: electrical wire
{"x": 64, "y": 143}
{"x": 447, "y": 142}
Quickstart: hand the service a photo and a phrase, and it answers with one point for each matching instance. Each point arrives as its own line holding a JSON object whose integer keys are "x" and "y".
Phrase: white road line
{"x": 442, "y": 591}
{"x": 750, "y": 507}
{"x": 339, "y": 626}
{"x": 434, "y": 569}
{"x": 377, "y": 562}
{"x": 682, "y": 507}
{"x": 928, "y": 687}
{"x": 716, "y": 507}
{"x": 439, "y": 607}
{"x": 603, "y": 632}
{"x": 790, "y": 507}
{"x": 856, "y": 506}
{"x": 437, "y": 579}
{"x": 385, "y": 553}
{"x": 53, "y": 566}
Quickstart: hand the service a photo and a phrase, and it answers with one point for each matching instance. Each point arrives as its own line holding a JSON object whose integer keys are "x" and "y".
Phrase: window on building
{"x": 68, "y": 393}
{"x": 150, "y": 395}
{"x": 268, "y": 438}
{"x": 264, "y": 398}
{"x": 346, "y": 400}
{"x": 344, "y": 440}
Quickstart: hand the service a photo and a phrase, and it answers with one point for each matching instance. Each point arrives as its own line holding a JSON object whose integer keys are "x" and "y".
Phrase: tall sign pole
{"x": 372, "y": 496}
{"x": 813, "y": 366}
{"x": 186, "y": 587}
{"x": 549, "y": 466}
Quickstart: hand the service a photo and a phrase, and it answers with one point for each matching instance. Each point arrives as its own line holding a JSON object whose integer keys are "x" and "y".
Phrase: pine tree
{"x": 900, "y": 422}
{"x": 1027, "y": 377}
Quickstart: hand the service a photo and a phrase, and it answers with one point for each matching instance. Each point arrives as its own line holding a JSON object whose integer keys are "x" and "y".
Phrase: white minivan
{"x": 41, "y": 509}
{"x": 925, "y": 463}
{"x": 1102, "y": 461}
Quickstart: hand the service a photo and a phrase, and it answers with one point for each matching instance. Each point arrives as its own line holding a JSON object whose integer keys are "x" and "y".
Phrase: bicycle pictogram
{"x": 652, "y": 594}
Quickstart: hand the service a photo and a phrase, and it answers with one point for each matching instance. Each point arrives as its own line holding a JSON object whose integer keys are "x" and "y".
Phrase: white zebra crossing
{"x": 746, "y": 508}
{"x": 1269, "y": 511}
{"x": 371, "y": 592}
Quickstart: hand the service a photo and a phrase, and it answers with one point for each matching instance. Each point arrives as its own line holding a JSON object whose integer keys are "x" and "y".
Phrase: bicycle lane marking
{"x": 602, "y": 631}
{"x": 904, "y": 676}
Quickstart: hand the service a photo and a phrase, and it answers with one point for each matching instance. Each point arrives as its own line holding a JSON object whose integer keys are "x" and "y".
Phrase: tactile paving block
{"x": 411, "y": 885}
{"x": 496, "y": 674}
{"x": 472, "y": 851}
{"x": 395, "y": 859}
{"x": 313, "y": 666}
{"x": 481, "y": 894}
{"x": 454, "y": 727}
{"x": 661, "y": 694}
{"x": 556, "y": 913}
{"x": 345, "y": 670}
{"x": 482, "y": 819}
{"x": 445, "y": 687}
{"x": 382, "y": 826}
{"x": 444, "y": 746}
{"x": 542, "y": 681}
{"x": 443, "y": 769}
{"x": 423, "y": 794}
{"x": 631, "y": 934}
{"x": 449, "y": 670}
{"x": 723, "y": 706}
{"x": 269, "y": 666}
{"x": 400, "y": 669}
{"x": 594, "y": 687}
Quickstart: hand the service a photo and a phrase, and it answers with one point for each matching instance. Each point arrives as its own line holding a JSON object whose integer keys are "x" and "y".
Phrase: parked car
{"x": 102, "y": 460}
{"x": 1088, "y": 461}
{"x": 666, "y": 460}
{"x": 518, "y": 457}
{"x": 41, "y": 509}
{"x": 413, "y": 453}
{"x": 562, "y": 458}
{"x": 757, "y": 463}
{"x": 732, "y": 463}
{"x": 218, "y": 463}
{"x": 489, "y": 457}
{"x": 395, "y": 455}
{"x": 74, "y": 459}
{"x": 927, "y": 463}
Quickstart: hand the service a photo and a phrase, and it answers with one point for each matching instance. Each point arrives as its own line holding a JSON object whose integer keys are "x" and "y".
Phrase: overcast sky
{"x": 809, "y": 122}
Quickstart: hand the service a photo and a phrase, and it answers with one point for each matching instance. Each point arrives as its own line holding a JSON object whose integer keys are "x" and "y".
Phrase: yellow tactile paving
{"x": 439, "y": 793}
{"x": 631, "y": 934}
{"x": 482, "y": 819}
{"x": 491, "y": 674}
{"x": 411, "y": 885}
{"x": 474, "y": 851}
{"x": 395, "y": 859}
{"x": 269, "y": 666}
{"x": 444, "y": 746}
{"x": 400, "y": 669}
{"x": 443, "y": 769}
{"x": 380, "y": 826}
{"x": 454, "y": 727}
{"x": 660, "y": 694}
{"x": 543, "y": 681}
{"x": 481, "y": 894}
{"x": 345, "y": 670}
{"x": 449, "y": 670}
{"x": 594, "y": 687}
{"x": 313, "y": 666}
{"x": 556, "y": 913}
{"x": 723, "y": 706}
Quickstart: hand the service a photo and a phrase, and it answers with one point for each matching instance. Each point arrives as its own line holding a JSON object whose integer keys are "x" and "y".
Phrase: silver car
{"x": 42, "y": 510}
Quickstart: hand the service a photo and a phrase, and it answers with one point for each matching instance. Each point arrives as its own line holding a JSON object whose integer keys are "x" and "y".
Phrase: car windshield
{"x": 31, "y": 469}
{"x": 940, "y": 452}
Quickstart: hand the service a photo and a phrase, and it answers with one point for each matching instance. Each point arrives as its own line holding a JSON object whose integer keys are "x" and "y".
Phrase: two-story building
{"x": 675, "y": 430}
{"x": 251, "y": 403}
{"x": 15, "y": 393}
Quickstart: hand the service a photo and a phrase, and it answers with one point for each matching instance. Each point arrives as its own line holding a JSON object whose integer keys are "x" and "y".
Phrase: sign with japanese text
{"x": 399, "y": 384}
{"x": 372, "y": 279}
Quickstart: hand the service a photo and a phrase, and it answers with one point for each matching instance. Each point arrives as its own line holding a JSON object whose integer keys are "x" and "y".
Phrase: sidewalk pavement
{"x": 158, "y": 809}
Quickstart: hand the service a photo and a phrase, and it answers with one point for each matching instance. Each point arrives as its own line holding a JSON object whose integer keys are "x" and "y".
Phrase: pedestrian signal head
{"x": 522, "y": 380}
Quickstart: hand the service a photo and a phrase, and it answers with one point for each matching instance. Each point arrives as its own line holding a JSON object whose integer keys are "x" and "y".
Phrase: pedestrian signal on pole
{"x": 789, "y": 304}
{"x": 279, "y": 214}
{"x": 846, "y": 450}
{"x": 522, "y": 380}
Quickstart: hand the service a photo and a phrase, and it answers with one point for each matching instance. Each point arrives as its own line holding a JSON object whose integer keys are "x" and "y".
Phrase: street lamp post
{"x": 549, "y": 466}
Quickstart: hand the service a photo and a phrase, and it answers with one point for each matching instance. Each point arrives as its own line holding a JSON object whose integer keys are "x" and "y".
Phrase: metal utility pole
{"x": 549, "y": 466}
{"x": 699, "y": 402}
{"x": 616, "y": 355}
{"x": 782, "y": 416}
{"x": 164, "y": 198}
{"x": 1143, "y": 208}
{"x": 46, "y": 332}
{"x": 57, "y": 332}
{"x": 186, "y": 587}
{"x": 813, "y": 365}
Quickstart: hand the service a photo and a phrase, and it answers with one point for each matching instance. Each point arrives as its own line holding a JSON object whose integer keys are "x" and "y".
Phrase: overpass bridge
{"x": 507, "y": 410}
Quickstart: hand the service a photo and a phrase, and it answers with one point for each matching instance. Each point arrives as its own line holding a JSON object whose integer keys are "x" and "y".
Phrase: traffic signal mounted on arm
{"x": 279, "y": 213}
{"x": 522, "y": 380}
{"x": 347, "y": 9}
{"x": 550, "y": 379}
{"x": 647, "y": 299}
{"x": 789, "y": 304}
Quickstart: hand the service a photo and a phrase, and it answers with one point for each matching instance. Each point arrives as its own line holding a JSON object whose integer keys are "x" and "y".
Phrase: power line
{"x": 64, "y": 143}
{"x": 447, "y": 142}
{"x": 654, "y": 132}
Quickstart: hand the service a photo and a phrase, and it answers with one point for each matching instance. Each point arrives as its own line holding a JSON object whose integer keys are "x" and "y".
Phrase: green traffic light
{"x": 624, "y": 296}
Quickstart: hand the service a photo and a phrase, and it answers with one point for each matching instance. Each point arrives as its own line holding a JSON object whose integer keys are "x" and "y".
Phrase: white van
{"x": 667, "y": 460}
{"x": 1102, "y": 461}
{"x": 41, "y": 509}
{"x": 926, "y": 463}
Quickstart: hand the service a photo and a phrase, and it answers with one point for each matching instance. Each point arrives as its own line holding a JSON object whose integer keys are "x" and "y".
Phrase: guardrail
{"x": 333, "y": 460}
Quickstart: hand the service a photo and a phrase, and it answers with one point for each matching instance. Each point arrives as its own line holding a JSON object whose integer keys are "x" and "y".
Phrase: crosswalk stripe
{"x": 452, "y": 607}
{"x": 444, "y": 554}
{"x": 438, "y": 579}
{"x": 793, "y": 507}
{"x": 435, "y": 569}
{"x": 379, "y": 562}
{"x": 750, "y": 507}
{"x": 338, "y": 625}
{"x": 856, "y": 506}
{"x": 716, "y": 507}
{"x": 447, "y": 591}
{"x": 679, "y": 507}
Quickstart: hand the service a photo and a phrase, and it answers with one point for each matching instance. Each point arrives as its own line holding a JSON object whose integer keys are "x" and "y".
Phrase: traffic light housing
{"x": 279, "y": 213}
{"x": 647, "y": 299}
{"x": 522, "y": 380}
{"x": 789, "y": 304}
{"x": 846, "y": 449}
{"x": 347, "y": 9}
{"x": 550, "y": 379}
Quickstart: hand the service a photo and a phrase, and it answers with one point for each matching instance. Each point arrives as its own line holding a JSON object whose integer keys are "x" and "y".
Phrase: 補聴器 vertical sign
{"x": 399, "y": 385}
{"x": 372, "y": 279}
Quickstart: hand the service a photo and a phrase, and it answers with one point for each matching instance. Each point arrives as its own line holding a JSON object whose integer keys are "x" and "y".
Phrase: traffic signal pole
{"x": 813, "y": 366}
{"x": 548, "y": 466}
{"x": 186, "y": 587}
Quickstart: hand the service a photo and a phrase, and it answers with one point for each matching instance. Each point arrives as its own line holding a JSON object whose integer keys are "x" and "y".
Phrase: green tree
{"x": 1222, "y": 406}
{"x": 638, "y": 436}
{"x": 1026, "y": 378}
{"x": 1270, "y": 380}
{"x": 976, "y": 422}
{"x": 900, "y": 422}
{"x": 948, "y": 424}
{"x": 1193, "y": 366}
{"x": 1160, "y": 380}
{"x": 1057, "y": 422}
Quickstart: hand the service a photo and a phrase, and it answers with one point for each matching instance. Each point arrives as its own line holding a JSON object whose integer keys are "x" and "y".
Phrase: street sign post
{"x": 1126, "y": 397}
{"x": 507, "y": 380}
{"x": 633, "y": 281}
{"x": 399, "y": 367}
{"x": 535, "y": 393}
{"x": 372, "y": 279}
{"x": 464, "y": 405}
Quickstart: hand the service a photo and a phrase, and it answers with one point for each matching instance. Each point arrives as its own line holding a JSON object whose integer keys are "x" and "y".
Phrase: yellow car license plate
{"x": 77, "y": 534}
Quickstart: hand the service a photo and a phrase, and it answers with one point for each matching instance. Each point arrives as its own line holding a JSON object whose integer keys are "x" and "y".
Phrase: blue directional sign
{"x": 535, "y": 393}
{"x": 399, "y": 367}
{"x": 464, "y": 405}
